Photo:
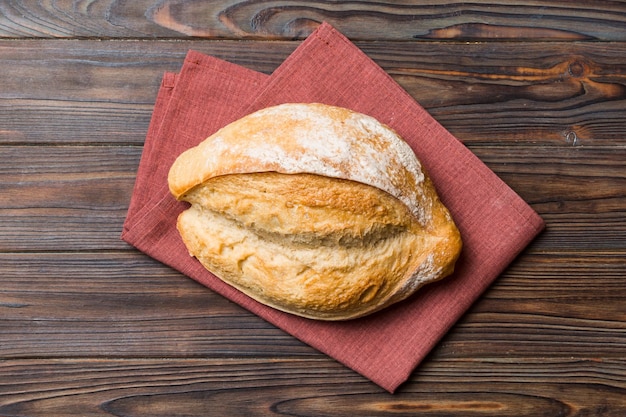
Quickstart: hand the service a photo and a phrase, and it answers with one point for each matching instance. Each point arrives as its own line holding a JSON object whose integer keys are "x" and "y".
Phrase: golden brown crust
{"x": 330, "y": 247}
{"x": 307, "y": 138}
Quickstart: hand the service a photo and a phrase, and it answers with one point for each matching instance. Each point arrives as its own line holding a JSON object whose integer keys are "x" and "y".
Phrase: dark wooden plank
{"x": 547, "y": 304}
{"x": 68, "y": 92}
{"x": 363, "y": 19}
{"x": 539, "y": 93}
{"x": 65, "y": 197}
{"x": 529, "y": 93}
{"x": 75, "y": 198}
{"x": 579, "y": 191}
{"x": 575, "y": 387}
{"x": 122, "y": 304}
{"x": 128, "y": 305}
{"x": 94, "y": 72}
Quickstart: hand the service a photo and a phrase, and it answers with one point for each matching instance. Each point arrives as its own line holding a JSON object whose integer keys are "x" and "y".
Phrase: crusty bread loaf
{"x": 315, "y": 210}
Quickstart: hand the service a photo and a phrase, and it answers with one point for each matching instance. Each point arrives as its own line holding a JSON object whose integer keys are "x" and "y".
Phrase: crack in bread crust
{"x": 332, "y": 256}
{"x": 315, "y": 210}
{"x": 318, "y": 282}
{"x": 304, "y": 209}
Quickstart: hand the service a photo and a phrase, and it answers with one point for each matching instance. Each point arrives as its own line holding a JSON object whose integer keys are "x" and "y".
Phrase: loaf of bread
{"x": 314, "y": 210}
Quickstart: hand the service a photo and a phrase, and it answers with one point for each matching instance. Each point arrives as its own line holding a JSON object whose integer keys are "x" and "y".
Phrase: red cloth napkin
{"x": 495, "y": 223}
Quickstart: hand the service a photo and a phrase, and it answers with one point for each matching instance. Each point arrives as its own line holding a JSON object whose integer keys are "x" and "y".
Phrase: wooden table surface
{"x": 91, "y": 327}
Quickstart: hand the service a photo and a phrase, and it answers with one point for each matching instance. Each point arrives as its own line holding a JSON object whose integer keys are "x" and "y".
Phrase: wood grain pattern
{"x": 557, "y": 93}
{"x": 544, "y": 304}
{"x": 91, "y": 327}
{"x": 363, "y": 19}
{"x": 560, "y": 386}
{"x": 122, "y": 304}
{"x": 76, "y": 197}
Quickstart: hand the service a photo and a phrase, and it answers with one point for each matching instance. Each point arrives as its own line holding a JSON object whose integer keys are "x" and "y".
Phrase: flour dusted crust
{"x": 315, "y": 210}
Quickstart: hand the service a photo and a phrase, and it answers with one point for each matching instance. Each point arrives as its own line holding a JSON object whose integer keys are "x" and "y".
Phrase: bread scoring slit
{"x": 320, "y": 210}
{"x": 243, "y": 213}
{"x": 314, "y": 210}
